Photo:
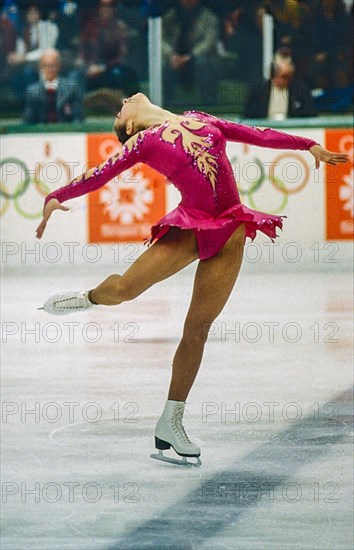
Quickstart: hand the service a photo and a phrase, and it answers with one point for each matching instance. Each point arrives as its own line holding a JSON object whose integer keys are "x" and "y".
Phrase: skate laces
{"x": 177, "y": 417}
{"x": 72, "y": 302}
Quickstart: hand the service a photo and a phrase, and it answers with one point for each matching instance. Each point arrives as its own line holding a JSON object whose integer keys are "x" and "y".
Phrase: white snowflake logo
{"x": 127, "y": 197}
{"x": 346, "y": 193}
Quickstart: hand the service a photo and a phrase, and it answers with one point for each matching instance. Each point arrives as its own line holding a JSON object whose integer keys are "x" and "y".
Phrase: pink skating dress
{"x": 192, "y": 155}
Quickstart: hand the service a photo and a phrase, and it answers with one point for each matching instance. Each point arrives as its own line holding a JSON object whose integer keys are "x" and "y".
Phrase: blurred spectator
{"x": 336, "y": 100}
{"x": 54, "y": 98}
{"x": 348, "y": 5}
{"x": 319, "y": 34}
{"x": 11, "y": 12}
{"x": 22, "y": 61}
{"x": 8, "y": 36}
{"x": 133, "y": 13}
{"x": 288, "y": 17}
{"x": 242, "y": 41}
{"x": 105, "y": 47}
{"x": 67, "y": 17}
{"x": 331, "y": 64}
{"x": 189, "y": 46}
{"x": 282, "y": 96}
{"x": 37, "y": 35}
{"x": 293, "y": 21}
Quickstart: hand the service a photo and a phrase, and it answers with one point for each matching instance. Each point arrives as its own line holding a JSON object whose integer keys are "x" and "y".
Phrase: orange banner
{"x": 339, "y": 185}
{"x": 126, "y": 207}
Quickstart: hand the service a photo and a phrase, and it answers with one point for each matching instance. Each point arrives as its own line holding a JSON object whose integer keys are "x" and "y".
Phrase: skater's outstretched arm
{"x": 266, "y": 137}
{"x": 132, "y": 153}
{"x": 274, "y": 139}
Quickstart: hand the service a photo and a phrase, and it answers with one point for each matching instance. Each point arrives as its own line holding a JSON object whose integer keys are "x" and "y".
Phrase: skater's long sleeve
{"x": 263, "y": 138}
{"x": 132, "y": 153}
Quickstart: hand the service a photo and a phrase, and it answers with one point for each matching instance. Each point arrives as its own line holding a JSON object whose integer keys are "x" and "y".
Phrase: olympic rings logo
{"x": 278, "y": 183}
{"x": 11, "y": 168}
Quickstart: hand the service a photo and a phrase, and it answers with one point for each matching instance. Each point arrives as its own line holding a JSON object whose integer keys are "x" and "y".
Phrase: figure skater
{"x": 209, "y": 224}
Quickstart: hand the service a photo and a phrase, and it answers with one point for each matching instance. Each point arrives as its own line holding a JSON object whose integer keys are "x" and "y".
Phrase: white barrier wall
{"x": 317, "y": 233}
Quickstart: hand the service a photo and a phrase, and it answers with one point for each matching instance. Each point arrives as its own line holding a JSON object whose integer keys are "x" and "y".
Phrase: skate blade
{"x": 182, "y": 462}
{"x": 40, "y": 308}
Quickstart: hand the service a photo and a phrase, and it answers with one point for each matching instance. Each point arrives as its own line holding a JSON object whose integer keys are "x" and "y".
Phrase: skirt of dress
{"x": 212, "y": 233}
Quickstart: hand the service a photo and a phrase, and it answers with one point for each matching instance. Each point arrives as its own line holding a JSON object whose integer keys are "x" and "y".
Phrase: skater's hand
{"x": 323, "y": 155}
{"x": 51, "y": 205}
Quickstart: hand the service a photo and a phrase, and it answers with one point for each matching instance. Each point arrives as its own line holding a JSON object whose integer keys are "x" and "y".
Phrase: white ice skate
{"x": 67, "y": 302}
{"x": 170, "y": 432}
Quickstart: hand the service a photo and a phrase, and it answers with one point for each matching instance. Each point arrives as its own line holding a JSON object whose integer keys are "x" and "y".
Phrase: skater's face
{"x": 131, "y": 112}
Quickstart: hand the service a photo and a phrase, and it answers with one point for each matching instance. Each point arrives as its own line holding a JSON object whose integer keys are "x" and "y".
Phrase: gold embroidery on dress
{"x": 131, "y": 143}
{"x": 195, "y": 145}
{"x": 127, "y": 147}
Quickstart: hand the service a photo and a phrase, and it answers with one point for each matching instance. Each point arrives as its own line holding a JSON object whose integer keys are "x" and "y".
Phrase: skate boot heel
{"x": 169, "y": 432}
{"x": 161, "y": 445}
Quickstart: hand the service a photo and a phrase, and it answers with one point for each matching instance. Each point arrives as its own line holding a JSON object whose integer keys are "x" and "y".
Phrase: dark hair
{"x": 122, "y": 134}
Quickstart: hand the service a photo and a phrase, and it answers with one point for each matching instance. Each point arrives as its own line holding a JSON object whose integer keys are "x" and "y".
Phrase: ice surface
{"x": 276, "y": 473}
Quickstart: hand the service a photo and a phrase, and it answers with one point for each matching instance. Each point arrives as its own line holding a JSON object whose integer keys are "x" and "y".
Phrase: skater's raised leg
{"x": 174, "y": 251}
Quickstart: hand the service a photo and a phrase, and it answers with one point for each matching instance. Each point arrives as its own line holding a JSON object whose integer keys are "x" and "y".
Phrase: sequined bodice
{"x": 191, "y": 154}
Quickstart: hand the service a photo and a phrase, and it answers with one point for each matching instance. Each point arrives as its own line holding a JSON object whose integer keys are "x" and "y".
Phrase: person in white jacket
{"x": 37, "y": 36}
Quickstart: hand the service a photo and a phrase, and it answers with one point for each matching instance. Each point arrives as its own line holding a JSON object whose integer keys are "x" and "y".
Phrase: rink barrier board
{"x": 273, "y": 181}
{"x": 105, "y": 124}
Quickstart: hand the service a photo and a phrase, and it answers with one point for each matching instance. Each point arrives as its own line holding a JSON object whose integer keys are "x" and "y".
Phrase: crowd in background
{"x": 102, "y": 46}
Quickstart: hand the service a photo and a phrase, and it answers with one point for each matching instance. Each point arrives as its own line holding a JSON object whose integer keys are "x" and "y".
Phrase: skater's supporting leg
{"x": 214, "y": 281}
{"x": 174, "y": 251}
